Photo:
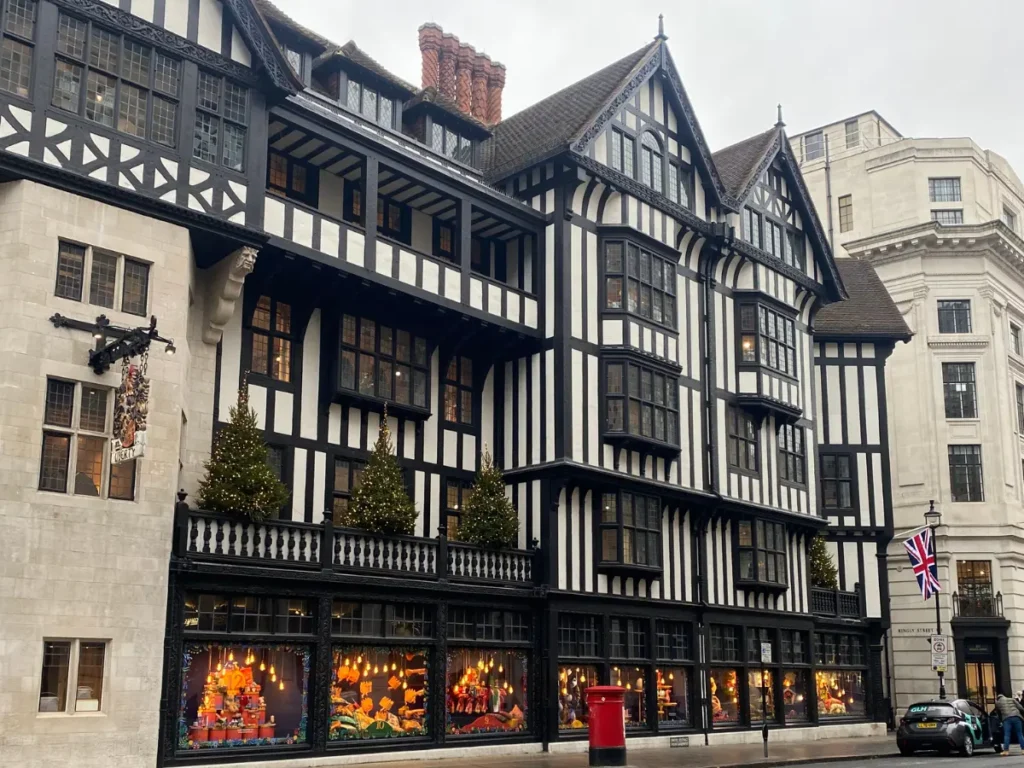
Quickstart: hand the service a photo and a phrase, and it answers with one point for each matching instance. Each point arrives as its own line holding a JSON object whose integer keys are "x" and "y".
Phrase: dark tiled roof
{"x": 870, "y": 310}
{"x": 272, "y": 13}
{"x": 537, "y": 131}
{"x": 736, "y": 163}
{"x": 433, "y": 96}
{"x": 353, "y": 53}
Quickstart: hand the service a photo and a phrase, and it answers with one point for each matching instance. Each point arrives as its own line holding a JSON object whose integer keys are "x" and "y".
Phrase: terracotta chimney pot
{"x": 464, "y": 78}
{"x": 449, "y": 60}
{"x": 495, "y": 85}
{"x": 430, "y": 48}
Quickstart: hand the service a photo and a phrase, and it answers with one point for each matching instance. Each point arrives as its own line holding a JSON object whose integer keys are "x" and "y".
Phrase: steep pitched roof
{"x": 869, "y": 312}
{"x": 357, "y": 56}
{"x": 272, "y": 13}
{"x": 539, "y": 131}
{"x": 255, "y": 30}
{"x": 737, "y": 164}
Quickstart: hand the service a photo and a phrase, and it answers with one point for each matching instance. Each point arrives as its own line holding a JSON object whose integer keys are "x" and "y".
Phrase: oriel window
{"x": 272, "y": 339}
{"x": 640, "y": 281}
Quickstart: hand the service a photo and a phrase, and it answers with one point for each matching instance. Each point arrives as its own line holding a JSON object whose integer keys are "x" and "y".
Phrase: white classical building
{"x": 939, "y": 218}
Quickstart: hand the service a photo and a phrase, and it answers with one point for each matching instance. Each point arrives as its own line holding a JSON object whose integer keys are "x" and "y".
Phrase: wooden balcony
{"x": 285, "y": 545}
{"x": 839, "y": 604}
{"x": 400, "y": 266}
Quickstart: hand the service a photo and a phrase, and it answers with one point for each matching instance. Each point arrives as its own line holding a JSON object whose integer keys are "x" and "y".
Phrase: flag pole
{"x": 933, "y": 519}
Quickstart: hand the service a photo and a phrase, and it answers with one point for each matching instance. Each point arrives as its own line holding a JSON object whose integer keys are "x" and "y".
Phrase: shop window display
{"x": 673, "y": 696}
{"x": 634, "y": 701}
{"x": 378, "y": 693}
{"x": 725, "y": 696}
{"x": 486, "y": 691}
{"x": 755, "y": 697}
{"x": 243, "y": 696}
{"x": 794, "y": 694}
{"x": 572, "y": 701}
{"x": 840, "y": 693}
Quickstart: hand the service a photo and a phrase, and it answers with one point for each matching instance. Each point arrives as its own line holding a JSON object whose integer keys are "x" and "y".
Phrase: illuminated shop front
{"x": 651, "y": 659}
{"x": 840, "y": 676}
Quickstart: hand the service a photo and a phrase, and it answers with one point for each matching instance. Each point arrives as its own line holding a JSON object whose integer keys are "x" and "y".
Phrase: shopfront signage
{"x": 940, "y": 653}
{"x": 131, "y": 408}
{"x": 679, "y": 741}
{"x": 766, "y": 653}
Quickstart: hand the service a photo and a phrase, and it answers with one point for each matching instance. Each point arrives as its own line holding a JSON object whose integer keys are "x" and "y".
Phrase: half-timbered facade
{"x": 623, "y": 319}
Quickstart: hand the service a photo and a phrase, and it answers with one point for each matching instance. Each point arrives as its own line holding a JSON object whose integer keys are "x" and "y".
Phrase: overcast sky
{"x": 930, "y": 67}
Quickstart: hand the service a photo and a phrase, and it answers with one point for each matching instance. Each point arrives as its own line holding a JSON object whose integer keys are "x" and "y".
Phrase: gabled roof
{"x": 360, "y": 58}
{"x": 272, "y": 13}
{"x": 255, "y": 30}
{"x": 549, "y": 126}
{"x": 869, "y": 312}
{"x": 737, "y": 164}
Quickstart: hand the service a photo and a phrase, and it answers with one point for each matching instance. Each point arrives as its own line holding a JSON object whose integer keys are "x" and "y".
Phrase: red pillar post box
{"x": 607, "y": 726}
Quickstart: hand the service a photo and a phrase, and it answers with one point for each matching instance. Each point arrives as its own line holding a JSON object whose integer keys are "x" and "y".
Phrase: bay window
{"x": 640, "y": 282}
{"x": 630, "y": 529}
{"x": 641, "y": 402}
{"x": 767, "y": 338}
{"x": 382, "y": 362}
{"x": 761, "y": 546}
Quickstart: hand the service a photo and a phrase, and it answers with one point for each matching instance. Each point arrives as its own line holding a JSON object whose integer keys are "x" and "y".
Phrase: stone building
{"x": 939, "y": 218}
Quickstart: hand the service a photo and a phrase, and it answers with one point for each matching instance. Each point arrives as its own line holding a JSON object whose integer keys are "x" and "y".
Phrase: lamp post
{"x": 933, "y": 519}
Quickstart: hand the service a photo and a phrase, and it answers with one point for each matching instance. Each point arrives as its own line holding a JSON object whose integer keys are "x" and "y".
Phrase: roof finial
{"x": 779, "y": 123}
{"x": 661, "y": 28}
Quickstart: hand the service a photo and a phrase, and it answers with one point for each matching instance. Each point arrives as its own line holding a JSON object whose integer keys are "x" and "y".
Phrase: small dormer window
{"x": 450, "y": 143}
{"x": 372, "y": 105}
{"x": 294, "y": 58}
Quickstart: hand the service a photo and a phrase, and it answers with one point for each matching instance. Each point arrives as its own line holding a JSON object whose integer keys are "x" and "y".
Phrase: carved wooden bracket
{"x": 225, "y": 286}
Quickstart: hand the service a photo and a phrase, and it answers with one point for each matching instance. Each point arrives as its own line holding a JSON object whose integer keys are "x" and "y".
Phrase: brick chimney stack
{"x": 461, "y": 74}
{"x": 495, "y": 85}
{"x": 430, "y": 48}
{"x": 481, "y": 71}
{"x": 464, "y": 78}
{"x": 449, "y": 60}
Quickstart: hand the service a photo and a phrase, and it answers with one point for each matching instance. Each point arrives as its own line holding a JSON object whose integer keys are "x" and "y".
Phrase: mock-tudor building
{"x": 625, "y": 320}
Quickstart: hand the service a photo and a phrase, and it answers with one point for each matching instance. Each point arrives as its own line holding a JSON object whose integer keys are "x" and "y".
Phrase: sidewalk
{"x": 696, "y": 756}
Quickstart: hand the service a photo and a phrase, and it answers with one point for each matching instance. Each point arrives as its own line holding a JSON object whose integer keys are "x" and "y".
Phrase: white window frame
{"x": 71, "y": 694}
{"x": 122, "y": 258}
{"x": 75, "y": 431}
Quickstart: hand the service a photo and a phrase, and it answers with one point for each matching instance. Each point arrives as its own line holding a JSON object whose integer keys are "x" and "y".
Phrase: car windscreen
{"x": 930, "y": 711}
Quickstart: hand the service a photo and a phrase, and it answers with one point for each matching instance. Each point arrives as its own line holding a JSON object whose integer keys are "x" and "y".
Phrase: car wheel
{"x": 906, "y": 751}
{"x": 968, "y": 746}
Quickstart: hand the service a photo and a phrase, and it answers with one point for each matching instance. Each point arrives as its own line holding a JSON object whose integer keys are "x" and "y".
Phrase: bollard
{"x": 607, "y": 726}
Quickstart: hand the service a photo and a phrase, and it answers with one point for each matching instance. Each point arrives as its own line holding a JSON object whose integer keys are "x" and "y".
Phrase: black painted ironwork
{"x": 114, "y": 343}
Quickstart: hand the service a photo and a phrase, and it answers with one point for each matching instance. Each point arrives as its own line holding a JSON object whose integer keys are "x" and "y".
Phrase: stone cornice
{"x": 958, "y": 341}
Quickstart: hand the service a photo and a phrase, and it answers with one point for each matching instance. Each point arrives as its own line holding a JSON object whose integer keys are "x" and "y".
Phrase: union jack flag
{"x": 922, "y": 558}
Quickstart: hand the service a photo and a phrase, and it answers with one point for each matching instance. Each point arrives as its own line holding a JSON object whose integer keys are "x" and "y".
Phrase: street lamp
{"x": 933, "y": 519}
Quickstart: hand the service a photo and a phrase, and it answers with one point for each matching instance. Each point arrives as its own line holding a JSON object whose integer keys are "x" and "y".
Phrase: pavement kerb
{"x": 770, "y": 763}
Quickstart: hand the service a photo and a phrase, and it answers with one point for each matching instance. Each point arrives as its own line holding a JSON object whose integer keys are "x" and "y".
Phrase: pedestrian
{"x": 1010, "y": 711}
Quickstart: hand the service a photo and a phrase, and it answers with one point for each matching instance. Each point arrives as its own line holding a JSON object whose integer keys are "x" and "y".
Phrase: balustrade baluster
{"x": 244, "y": 544}
{"x": 258, "y": 544}
{"x": 232, "y": 538}
{"x": 336, "y": 549}
{"x": 193, "y": 534}
{"x": 314, "y": 547}
{"x": 219, "y": 538}
{"x": 405, "y": 556}
{"x": 295, "y": 535}
{"x": 347, "y": 555}
{"x": 376, "y": 553}
{"x": 207, "y": 533}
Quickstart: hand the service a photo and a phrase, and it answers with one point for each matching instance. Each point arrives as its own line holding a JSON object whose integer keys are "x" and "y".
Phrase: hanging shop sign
{"x": 131, "y": 408}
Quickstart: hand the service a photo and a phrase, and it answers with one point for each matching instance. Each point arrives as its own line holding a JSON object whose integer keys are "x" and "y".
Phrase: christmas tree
{"x": 488, "y": 518}
{"x": 239, "y": 478}
{"x": 822, "y": 569}
{"x": 380, "y": 503}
